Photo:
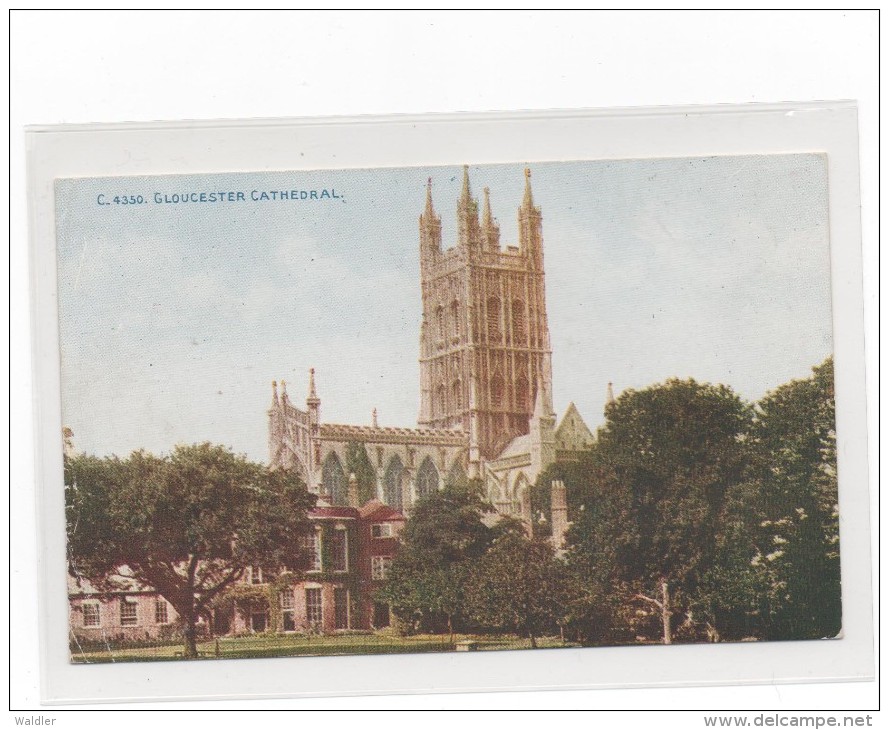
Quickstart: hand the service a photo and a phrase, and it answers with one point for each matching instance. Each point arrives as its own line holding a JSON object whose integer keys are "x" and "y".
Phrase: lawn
{"x": 280, "y": 645}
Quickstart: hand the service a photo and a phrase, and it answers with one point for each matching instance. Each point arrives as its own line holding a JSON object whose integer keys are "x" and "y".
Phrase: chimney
{"x": 559, "y": 513}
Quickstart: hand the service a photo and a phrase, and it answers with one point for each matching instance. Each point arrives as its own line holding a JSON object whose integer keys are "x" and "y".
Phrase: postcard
{"x": 434, "y": 409}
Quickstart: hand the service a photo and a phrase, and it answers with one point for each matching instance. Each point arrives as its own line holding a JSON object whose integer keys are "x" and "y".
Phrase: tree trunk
{"x": 190, "y": 636}
{"x": 665, "y": 612}
{"x": 533, "y": 639}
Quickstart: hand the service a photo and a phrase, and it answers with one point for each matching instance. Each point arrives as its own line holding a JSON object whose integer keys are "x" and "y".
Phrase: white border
{"x": 229, "y": 146}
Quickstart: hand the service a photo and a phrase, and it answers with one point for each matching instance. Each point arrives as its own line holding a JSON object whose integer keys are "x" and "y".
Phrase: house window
{"x": 341, "y": 607}
{"x": 259, "y": 621}
{"x": 383, "y": 529}
{"x": 161, "y": 614}
{"x": 380, "y": 565}
{"x": 339, "y": 551}
{"x": 381, "y": 615}
{"x": 314, "y": 611}
{"x": 91, "y": 616}
{"x": 312, "y": 546}
{"x": 128, "y": 615}
{"x": 253, "y": 575}
{"x": 287, "y": 602}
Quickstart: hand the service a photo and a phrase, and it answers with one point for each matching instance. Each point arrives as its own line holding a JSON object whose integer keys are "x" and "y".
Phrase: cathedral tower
{"x": 484, "y": 340}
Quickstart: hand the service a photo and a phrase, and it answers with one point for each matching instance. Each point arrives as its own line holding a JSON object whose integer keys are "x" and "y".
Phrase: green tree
{"x": 187, "y": 524}
{"x": 428, "y": 575}
{"x": 358, "y": 463}
{"x": 663, "y": 464}
{"x": 518, "y": 585}
{"x": 798, "y": 538}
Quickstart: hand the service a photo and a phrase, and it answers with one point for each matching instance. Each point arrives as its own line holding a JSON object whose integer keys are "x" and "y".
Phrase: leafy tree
{"x": 663, "y": 464}
{"x": 443, "y": 535}
{"x": 187, "y": 524}
{"x": 358, "y": 463}
{"x": 518, "y": 585}
{"x": 797, "y": 553}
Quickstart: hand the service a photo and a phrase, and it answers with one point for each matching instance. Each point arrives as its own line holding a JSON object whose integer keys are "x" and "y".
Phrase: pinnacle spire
{"x": 528, "y": 200}
{"x": 313, "y": 395}
{"x": 609, "y": 397}
{"x": 374, "y": 418}
{"x": 466, "y": 194}
{"x": 274, "y": 392}
{"x": 487, "y": 218}
{"x": 430, "y": 210}
{"x": 543, "y": 404}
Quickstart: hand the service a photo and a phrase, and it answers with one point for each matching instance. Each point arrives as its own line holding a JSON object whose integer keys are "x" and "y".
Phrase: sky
{"x": 175, "y": 318}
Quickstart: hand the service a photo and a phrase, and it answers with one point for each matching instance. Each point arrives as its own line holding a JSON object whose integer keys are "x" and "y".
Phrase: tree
{"x": 518, "y": 585}
{"x": 358, "y": 463}
{"x": 187, "y": 524}
{"x": 428, "y": 575}
{"x": 663, "y": 463}
{"x": 797, "y": 552}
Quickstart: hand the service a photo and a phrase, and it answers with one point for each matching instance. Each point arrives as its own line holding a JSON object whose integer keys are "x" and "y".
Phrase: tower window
{"x": 494, "y": 319}
{"x": 496, "y": 391}
{"x": 521, "y": 393}
{"x": 442, "y": 406}
{"x": 439, "y": 318}
{"x": 456, "y": 392}
{"x": 455, "y": 318}
{"x": 518, "y": 322}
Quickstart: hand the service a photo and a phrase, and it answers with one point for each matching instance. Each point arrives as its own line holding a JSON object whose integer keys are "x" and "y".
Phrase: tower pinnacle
{"x": 430, "y": 210}
{"x": 466, "y": 193}
{"x": 609, "y": 397}
{"x": 313, "y": 395}
{"x": 274, "y": 392}
{"x": 528, "y": 200}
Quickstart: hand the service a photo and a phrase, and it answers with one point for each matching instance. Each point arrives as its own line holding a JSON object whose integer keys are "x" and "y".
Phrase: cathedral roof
{"x": 518, "y": 446}
{"x": 393, "y": 435}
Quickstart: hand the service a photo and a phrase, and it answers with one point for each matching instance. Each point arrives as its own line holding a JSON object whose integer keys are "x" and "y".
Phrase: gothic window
{"x": 456, "y": 392}
{"x": 427, "y": 479}
{"x": 493, "y": 319}
{"x": 334, "y": 479}
{"x": 392, "y": 483}
{"x": 457, "y": 475}
{"x": 518, "y": 322}
{"x": 496, "y": 391}
{"x": 521, "y": 393}
{"x": 455, "y": 318}
{"x": 439, "y": 319}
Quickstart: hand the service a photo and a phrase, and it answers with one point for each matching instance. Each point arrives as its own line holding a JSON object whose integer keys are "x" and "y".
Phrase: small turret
{"x": 530, "y": 225}
{"x": 490, "y": 229}
{"x": 467, "y": 213}
{"x": 609, "y": 397}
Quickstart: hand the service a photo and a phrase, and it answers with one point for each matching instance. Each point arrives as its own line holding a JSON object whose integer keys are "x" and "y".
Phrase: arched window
{"x": 494, "y": 320}
{"x": 439, "y": 318}
{"x": 334, "y": 479}
{"x": 456, "y": 475}
{"x": 427, "y": 479}
{"x": 496, "y": 391}
{"x": 455, "y": 318}
{"x": 392, "y": 483}
{"x": 518, "y": 322}
{"x": 456, "y": 395}
{"x": 521, "y": 393}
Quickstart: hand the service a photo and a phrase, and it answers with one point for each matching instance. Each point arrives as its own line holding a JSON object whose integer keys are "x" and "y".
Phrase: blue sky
{"x": 174, "y": 319}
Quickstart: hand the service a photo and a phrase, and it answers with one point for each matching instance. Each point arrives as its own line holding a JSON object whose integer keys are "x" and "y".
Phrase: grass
{"x": 281, "y": 645}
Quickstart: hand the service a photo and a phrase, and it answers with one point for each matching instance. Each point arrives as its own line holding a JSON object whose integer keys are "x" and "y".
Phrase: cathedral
{"x": 485, "y": 378}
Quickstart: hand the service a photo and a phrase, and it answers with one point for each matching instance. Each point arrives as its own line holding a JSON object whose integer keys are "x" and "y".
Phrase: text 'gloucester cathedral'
{"x": 485, "y": 378}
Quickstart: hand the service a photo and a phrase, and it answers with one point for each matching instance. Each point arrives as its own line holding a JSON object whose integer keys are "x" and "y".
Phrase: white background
{"x": 87, "y": 67}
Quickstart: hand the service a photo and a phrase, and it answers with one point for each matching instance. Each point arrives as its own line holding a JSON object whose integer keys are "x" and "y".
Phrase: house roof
{"x": 519, "y": 445}
{"x": 327, "y": 512}
{"x": 379, "y": 512}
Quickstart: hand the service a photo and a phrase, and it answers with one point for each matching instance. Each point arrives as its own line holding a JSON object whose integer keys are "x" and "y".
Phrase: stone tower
{"x": 484, "y": 340}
